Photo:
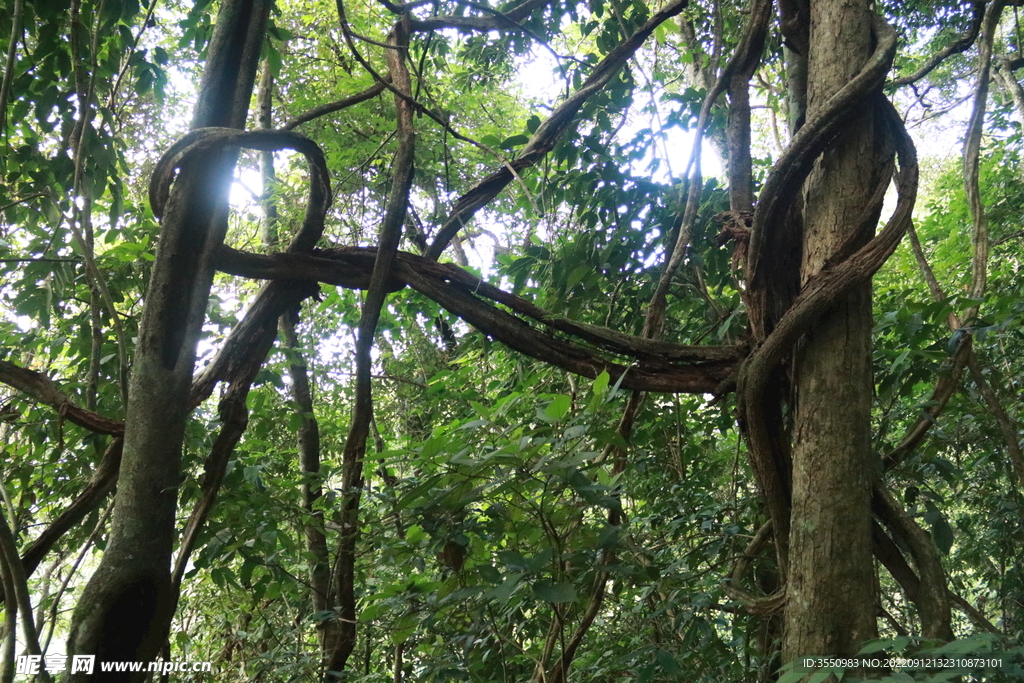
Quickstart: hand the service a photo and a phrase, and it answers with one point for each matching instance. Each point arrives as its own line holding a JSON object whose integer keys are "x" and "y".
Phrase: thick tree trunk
{"x": 831, "y": 601}
{"x": 126, "y": 608}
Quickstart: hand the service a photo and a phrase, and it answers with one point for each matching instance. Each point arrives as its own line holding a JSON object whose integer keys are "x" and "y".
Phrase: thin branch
{"x": 41, "y": 388}
{"x": 1005, "y": 76}
{"x": 932, "y": 596}
{"x": 12, "y": 51}
{"x": 409, "y": 99}
{"x": 331, "y": 107}
{"x": 234, "y": 419}
{"x": 100, "y": 523}
{"x": 965, "y": 355}
{"x": 404, "y": 8}
{"x": 115, "y": 317}
{"x": 352, "y": 477}
{"x": 38, "y": 260}
{"x": 22, "y": 200}
{"x": 742, "y": 63}
{"x": 945, "y": 387}
{"x": 1007, "y": 425}
{"x": 956, "y": 47}
{"x": 548, "y": 133}
{"x": 402, "y": 380}
{"x": 1011, "y": 236}
{"x": 146, "y": 23}
{"x": 971, "y": 155}
{"x": 503, "y": 20}
{"x": 948, "y": 381}
{"x": 974, "y": 614}
{"x": 19, "y": 581}
{"x": 102, "y": 482}
{"x": 10, "y": 622}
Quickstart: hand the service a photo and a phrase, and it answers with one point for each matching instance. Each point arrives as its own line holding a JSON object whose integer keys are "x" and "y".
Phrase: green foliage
{"x": 497, "y": 509}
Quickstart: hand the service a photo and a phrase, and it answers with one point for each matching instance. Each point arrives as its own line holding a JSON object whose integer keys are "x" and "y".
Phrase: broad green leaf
{"x": 559, "y": 407}
{"x": 555, "y": 592}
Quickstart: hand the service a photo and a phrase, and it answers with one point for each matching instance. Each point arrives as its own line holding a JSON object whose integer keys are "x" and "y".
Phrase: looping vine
{"x": 274, "y": 298}
{"x": 208, "y": 139}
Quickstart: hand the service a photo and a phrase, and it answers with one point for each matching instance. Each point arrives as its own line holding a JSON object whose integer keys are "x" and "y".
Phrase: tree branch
{"x": 352, "y": 477}
{"x": 16, "y": 578}
{"x": 501, "y": 20}
{"x": 548, "y": 133}
{"x": 674, "y": 368}
{"x": 102, "y": 482}
{"x": 331, "y": 107}
{"x": 956, "y": 47}
{"x": 41, "y": 388}
{"x": 971, "y": 155}
{"x": 931, "y": 595}
{"x": 12, "y": 51}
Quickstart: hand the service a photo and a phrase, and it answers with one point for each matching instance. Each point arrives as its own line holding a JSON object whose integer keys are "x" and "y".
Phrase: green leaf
{"x": 514, "y": 141}
{"x": 667, "y": 662}
{"x": 404, "y": 628}
{"x": 558, "y": 408}
{"x": 942, "y": 532}
{"x": 576, "y": 276}
{"x": 555, "y": 592}
{"x": 513, "y": 560}
{"x": 955, "y": 340}
{"x": 502, "y": 593}
{"x": 646, "y": 674}
{"x": 322, "y": 616}
{"x": 822, "y": 674}
{"x": 793, "y": 676}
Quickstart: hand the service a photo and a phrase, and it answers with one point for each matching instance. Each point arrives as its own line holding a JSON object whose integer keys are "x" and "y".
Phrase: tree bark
{"x": 126, "y": 608}
{"x": 831, "y": 603}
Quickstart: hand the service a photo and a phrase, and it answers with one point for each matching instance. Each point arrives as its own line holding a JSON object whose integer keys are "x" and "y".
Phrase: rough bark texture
{"x": 831, "y": 602}
{"x": 125, "y": 610}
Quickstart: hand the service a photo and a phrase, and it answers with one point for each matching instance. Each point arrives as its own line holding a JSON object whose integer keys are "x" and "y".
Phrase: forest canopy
{"x": 532, "y": 341}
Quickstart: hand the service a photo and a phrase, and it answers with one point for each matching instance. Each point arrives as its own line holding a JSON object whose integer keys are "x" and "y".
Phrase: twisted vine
{"x": 249, "y": 342}
{"x": 813, "y": 138}
{"x": 827, "y": 287}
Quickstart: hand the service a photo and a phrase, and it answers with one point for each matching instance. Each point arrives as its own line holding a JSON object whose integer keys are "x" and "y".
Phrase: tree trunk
{"x": 831, "y": 601}
{"x": 126, "y": 608}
